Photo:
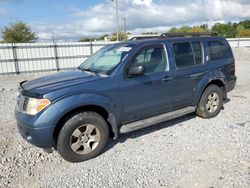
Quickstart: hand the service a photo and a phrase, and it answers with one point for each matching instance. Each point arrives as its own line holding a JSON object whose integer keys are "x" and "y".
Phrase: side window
{"x": 218, "y": 50}
{"x": 144, "y": 56}
{"x": 197, "y": 49}
{"x": 153, "y": 59}
{"x": 183, "y": 54}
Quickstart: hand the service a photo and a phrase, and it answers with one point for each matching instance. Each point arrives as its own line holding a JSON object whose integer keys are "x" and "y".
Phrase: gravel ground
{"x": 185, "y": 152}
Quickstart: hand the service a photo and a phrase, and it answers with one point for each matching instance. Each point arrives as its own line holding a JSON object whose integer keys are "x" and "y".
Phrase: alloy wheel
{"x": 85, "y": 139}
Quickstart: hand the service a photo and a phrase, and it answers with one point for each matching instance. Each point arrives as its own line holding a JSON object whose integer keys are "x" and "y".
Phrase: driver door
{"x": 146, "y": 95}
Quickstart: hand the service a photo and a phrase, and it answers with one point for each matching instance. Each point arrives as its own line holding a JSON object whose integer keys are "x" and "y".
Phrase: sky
{"x": 72, "y": 19}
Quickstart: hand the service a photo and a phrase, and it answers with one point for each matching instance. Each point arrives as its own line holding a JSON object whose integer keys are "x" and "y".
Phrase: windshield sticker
{"x": 124, "y": 49}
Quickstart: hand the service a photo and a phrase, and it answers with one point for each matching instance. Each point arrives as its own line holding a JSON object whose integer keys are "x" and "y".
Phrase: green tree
{"x": 242, "y": 32}
{"x": 173, "y": 30}
{"x": 149, "y": 33}
{"x": 86, "y": 39}
{"x": 196, "y": 29}
{"x": 185, "y": 29}
{"x": 18, "y": 33}
{"x": 103, "y": 37}
{"x": 239, "y": 29}
{"x": 229, "y": 30}
{"x": 121, "y": 35}
{"x": 245, "y": 24}
{"x": 226, "y": 30}
{"x": 204, "y": 27}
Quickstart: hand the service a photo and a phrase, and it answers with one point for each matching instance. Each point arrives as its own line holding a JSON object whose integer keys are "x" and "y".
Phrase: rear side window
{"x": 218, "y": 50}
{"x": 183, "y": 54}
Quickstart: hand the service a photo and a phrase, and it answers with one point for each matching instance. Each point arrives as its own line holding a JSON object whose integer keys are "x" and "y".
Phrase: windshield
{"x": 106, "y": 59}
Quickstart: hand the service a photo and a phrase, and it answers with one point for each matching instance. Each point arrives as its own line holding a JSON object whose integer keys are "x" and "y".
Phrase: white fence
{"x": 239, "y": 42}
{"x": 33, "y": 57}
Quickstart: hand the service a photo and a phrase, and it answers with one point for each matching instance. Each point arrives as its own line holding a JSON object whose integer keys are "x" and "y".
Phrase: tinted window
{"x": 197, "y": 49}
{"x": 183, "y": 54}
{"x": 218, "y": 50}
{"x": 153, "y": 60}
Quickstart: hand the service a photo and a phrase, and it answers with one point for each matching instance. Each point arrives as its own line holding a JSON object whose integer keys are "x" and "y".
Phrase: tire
{"x": 83, "y": 136}
{"x": 211, "y": 102}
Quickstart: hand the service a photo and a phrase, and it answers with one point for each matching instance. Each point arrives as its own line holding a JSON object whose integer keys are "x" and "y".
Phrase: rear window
{"x": 218, "y": 50}
{"x": 187, "y": 54}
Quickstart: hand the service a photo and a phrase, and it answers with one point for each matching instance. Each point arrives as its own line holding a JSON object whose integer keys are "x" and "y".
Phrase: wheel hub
{"x": 85, "y": 139}
{"x": 212, "y": 102}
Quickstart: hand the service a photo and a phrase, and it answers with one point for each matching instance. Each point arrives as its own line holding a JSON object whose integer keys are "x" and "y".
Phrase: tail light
{"x": 233, "y": 67}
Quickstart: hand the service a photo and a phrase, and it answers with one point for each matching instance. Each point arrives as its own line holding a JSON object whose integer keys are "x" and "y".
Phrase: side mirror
{"x": 135, "y": 71}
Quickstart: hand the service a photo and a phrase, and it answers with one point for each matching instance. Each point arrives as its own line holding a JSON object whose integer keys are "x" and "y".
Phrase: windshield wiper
{"x": 88, "y": 70}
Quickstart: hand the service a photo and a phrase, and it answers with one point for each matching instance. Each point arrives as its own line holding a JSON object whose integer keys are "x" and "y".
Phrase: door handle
{"x": 166, "y": 79}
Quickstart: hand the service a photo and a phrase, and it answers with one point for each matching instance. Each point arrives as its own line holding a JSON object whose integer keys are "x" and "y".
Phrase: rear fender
{"x": 206, "y": 80}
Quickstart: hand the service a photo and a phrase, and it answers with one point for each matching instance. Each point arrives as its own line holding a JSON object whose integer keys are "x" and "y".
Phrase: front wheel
{"x": 83, "y": 137}
{"x": 211, "y": 102}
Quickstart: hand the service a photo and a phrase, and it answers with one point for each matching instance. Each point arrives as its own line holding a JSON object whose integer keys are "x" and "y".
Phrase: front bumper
{"x": 38, "y": 130}
{"x": 39, "y": 137}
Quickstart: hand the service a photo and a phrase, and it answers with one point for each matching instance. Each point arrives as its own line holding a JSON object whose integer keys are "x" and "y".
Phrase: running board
{"x": 126, "y": 128}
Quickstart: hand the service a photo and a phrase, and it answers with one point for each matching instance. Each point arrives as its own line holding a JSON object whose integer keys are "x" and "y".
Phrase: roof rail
{"x": 193, "y": 34}
{"x": 144, "y": 37}
{"x": 166, "y": 35}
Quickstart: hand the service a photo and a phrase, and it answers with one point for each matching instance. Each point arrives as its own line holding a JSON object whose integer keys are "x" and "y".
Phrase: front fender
{"x": 72, "y": 102}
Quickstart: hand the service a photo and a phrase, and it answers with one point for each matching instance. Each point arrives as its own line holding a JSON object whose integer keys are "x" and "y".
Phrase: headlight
{"x": 36, "y": 105}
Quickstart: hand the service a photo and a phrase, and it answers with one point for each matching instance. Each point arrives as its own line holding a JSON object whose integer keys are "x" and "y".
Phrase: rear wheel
{"x": 83, "y": 137}
{"x": 211, "y": 102}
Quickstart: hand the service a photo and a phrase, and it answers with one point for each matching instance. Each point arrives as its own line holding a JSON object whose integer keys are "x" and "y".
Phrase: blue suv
{"x": 124, "y": 87}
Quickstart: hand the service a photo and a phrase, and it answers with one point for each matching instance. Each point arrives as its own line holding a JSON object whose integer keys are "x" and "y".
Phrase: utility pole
{"x": 53, "y": 38}
{"x": 117, "y": 23}
{"x": 125, "y": 27}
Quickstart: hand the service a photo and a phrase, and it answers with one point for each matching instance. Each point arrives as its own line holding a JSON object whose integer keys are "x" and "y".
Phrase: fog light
{"x": 29, "y": 138}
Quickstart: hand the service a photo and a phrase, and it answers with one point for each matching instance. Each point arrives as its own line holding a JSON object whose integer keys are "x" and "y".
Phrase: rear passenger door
{"x": 188, "y": 59}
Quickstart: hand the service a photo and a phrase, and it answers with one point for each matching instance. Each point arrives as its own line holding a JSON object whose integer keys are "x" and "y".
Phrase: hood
{"x": 58, "y": 81}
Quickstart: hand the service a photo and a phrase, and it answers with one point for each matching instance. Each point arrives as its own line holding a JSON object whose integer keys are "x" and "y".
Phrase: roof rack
{"x": 144, "y": 37}
{"x": 168, "y": 35}
{"x": 194, "y": 34}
